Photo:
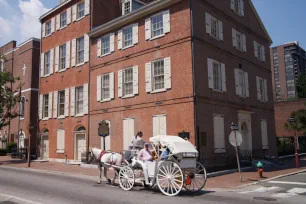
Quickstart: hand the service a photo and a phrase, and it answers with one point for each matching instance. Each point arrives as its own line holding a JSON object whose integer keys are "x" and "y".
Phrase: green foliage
{"x": 301, "y": 86}
{"x": 300, "y": 121}
{"x": 3, "y": 152}
{"x": 8, "y": 101}
{"x": 10, "y": 146}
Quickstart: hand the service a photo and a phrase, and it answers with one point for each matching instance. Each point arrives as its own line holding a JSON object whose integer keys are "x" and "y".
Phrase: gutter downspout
{"x": 193, "y": 77}
{"x": 38, "y": 98}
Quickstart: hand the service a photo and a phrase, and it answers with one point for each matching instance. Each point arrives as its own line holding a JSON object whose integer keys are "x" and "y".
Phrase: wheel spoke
{"x": 162, "y": 172}
{"x": 175, "y": 184}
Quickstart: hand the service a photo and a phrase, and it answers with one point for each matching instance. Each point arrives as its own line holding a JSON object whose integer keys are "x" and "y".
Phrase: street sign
{"x": 235, "y": 141}
{"x": 103, "y": 129}
{"x": 234, "y": 126}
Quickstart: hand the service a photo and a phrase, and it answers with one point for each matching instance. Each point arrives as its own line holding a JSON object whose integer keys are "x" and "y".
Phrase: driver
{"x": 145, "y": 154}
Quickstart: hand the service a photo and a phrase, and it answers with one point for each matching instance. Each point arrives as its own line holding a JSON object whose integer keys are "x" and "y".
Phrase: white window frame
{"x": 103, "y": 88}
{"x": 47, "y": 63}
{"x": 62, "y": 58}
{"x": 212, "y": 77}
{"x": 22, "y": 108}
{"x": 59, "y": 149}
{"x": 259, "y": 51}
{"x": 262, "y": 89}
{"x": 239, "y": 41}
{"x": 162, "y": 28}
{"x": 153, "y": 77}
{"x": 59, "y": 103}
{"x": 264, "y": 134}
{"x": 238, "y": 7}
{"x": 103, "y": 43}
{"x": 165, "y": 22}
{"x": 78, "y": 11}
{"x": 61, "y": 19}
{"x": 123, "y": 40}
{"x": 217, "y": 76}
{"x": 217, "y": 142}
{"x": 242, "y": 83}
{"x": 46, "y": 28}
{"x": 130, "y": 69}
{"x": 78, "y": 112}
{"x": 124, "y": 3}
{"x": 77, "y": 53}
{"x": 44, "y": 106}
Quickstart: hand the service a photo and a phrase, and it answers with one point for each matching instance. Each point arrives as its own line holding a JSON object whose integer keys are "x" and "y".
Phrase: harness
{"x": 101, "y": 155}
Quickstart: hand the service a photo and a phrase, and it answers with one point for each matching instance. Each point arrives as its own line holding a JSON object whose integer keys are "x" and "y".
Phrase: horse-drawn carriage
{"x": 179, "y": 170}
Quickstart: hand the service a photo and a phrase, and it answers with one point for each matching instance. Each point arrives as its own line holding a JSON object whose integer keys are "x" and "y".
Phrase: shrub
{"x": 10, "y": 146}
{"x": 3, "y": 152}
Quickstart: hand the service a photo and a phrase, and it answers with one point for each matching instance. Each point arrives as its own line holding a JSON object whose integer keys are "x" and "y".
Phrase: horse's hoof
{"x": 109, "y": 181}
{"x": 99, "y": 182}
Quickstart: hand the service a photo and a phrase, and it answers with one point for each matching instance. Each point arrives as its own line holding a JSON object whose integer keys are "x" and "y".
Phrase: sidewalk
{"x": 225, "y": 181}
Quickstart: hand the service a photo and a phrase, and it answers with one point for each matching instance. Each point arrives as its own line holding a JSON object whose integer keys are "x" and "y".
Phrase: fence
{"x": 285, "y": 145}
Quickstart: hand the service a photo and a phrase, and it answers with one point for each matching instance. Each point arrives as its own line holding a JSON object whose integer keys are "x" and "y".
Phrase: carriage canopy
{"x": 175, "y": 144}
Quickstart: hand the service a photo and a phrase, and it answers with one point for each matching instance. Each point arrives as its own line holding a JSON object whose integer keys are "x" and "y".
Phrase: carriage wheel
{"x": 126, "y": 178}
{"x": 195, "y": 179}
{"x": 169, "y": 178}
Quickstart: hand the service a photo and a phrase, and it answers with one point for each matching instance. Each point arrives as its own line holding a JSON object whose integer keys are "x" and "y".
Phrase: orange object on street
{"x": 260, "y": 170}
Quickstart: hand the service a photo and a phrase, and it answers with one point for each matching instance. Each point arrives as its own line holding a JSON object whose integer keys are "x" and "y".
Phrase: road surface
{"x": 36, "y": 187}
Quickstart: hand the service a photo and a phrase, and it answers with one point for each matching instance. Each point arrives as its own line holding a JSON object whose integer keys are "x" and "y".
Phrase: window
{"x": 127, "y": 36}
{"x": 80, "y": 10}
{"x": 106, "y": 44}
{"x": 264, "y": 135}
{"x": 80, "y": 50}
{"x": 157, "y": 25}
{"x": 241, "y": 81}
{"x": 62, "y": 55}
{"x": 47, "y": 63}
{"x": 158, "y": 75}
{"x": 127, "y": 81}
{"x": 105, "y": 86}
{"x": 239, "y": 40}
{"x": 61, "y": 103}
{"x": 260, "y": 52}
{"x": 127, "y": 7}
{"x": 262, "y": 93}
{"x": 22, "y": 106}
{"x": 45, "y": 106}
{"x": 219, "y": 139}
{"x": 79, "y": 100}
{"x": 214, "y": 27}
{"x": 216, "y": 75}
{"x": 60, "y": 142}
{"x": 238, "y": 7}
{"x": 63, "y": 19}
{"x": 48, "y": 28}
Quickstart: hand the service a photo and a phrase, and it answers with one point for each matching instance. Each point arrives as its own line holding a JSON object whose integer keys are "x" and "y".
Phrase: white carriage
{"x": 179, "y": 170}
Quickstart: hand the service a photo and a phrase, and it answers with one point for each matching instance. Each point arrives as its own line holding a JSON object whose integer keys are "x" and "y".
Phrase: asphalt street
{"x": 35, "y": 187}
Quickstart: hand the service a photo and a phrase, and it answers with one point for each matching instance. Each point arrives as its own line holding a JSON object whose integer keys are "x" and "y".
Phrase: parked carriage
{"x": 179, "y": 170}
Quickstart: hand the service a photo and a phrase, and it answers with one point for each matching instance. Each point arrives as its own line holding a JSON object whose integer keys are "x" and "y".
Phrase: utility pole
{"x": 297, "y": 161}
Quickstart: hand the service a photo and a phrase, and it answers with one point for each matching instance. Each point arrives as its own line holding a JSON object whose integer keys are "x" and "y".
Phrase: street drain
{"x": 264, "y": 199}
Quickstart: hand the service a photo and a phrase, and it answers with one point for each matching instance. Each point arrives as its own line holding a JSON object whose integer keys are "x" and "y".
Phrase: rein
{"x": 101, "y": 155}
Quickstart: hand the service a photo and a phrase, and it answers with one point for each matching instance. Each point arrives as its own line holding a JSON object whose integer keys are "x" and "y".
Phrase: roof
{"x": 175, "y": 144}
{"x": 54, "y": 9}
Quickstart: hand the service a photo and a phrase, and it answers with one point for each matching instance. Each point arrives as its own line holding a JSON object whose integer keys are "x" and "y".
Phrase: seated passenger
{"x": 145, "y": 154}
{"x": 164, "y": 155}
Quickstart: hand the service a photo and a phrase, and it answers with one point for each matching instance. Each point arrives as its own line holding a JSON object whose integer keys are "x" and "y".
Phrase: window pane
{"x": 128, "y": 81}
{"x": 127, "y": 36}
{"x": 127, "y": 7}
{"x": 158, "y": 75}
{"x": 79, "y": 100}
{"x": 62, "y": 57}
{"x": 61, "y": 103}
{"x": 81, "y": 10}
{"x": 105, "y": 87}
{"x": 45, "y": 105}
{"x": 80, "y": 50}
{"x": 106, "y": 44}
{"x": 63, "y": 19}
{"x": 217, "y": 76}
{"x": 214, "y": 27}
{"x": 157, "y": 25}
{"x": 47, "y": 63}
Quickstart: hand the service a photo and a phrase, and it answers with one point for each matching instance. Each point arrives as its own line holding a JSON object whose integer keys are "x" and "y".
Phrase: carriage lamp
{"x": 260, "y": 169}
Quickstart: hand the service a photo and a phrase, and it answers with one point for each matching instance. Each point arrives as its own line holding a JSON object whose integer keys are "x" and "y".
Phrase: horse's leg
{"x": 100, "y": 173}
{"x": 105, "y": 174}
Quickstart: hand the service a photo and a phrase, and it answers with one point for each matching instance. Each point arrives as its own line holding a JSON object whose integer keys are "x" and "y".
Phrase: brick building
{"x": 23, "y": 61}
{"x": 64, "y": 76}
{"x": 175, "y": 66}
{"x": 288, "y": 62}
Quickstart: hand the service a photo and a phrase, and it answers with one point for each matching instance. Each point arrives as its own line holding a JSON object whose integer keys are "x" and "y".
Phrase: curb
{"x": 89, "y": 166}
{"x": 269, "y": 179}
{"x": 292, "y": 155}
{"x": 225, "y": 172}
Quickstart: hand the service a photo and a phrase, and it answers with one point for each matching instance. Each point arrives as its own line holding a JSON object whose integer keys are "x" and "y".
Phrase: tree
{"x": 8, "y": 100}
{"x": 300, "y": 121}
{"x": 301, "y": 86}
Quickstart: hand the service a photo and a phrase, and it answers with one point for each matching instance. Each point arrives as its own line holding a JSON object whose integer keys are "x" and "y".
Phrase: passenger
{"x": 145, "y": 154}
{"x": 164, "y": 155}
{"x": 137, "y": 142}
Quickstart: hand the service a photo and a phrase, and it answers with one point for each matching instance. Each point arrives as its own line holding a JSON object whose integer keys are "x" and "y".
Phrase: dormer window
{"x": 126, "y": 6}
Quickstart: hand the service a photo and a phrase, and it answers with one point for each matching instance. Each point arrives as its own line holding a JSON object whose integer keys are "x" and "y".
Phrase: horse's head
{"x": 92, "y": 151}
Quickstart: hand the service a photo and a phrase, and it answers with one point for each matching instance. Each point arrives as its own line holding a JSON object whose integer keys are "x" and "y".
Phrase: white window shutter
{"x": 264, "y": 135}
{"x": 52, "y": 25}
{"x": 258, "y": 88}
{"x": 112, "y": 85}
{"x": 232, "y": 5}
{"x": 112, "y": 42}
{"x": 241, "y": 7}
{"x": 50, "y": 106}
{"x": 74, "y": 11}
{"x": 237, "y": 84}
{"x": 219, "y": 139}
{"x": 99, "y": 88}
{"x": 68, "y": 15}
{"x": 244, "y": 43}
{"x": 208, "y": 23}
{"x": 42, "y": 64}
{"x": 166, "y": 21}
{"x": 223, "y": 77}
{"x": 246, "y": 75}
{"x": 135, "y": 80}
{"x": 266, "y": 90}
{"x": 85, "y": 95}
{"x": 67, "y": 54}
{"x": 87, "y": 7}
{"x": 255, "y": 49}
{"x": 210, "y": 73}
{"x": 148, "y": 77}
{"x": 99, "y": 45}
{"x": 148, "y": 28}
{"x": 56, "y": 58}
{"x": 66, "y": 102}
{"x": 72, "y": 101}
{"x": 73, "y": 51}
{"x": 135, "y": 33}
{"x": 58, "y": 141}
{"x": 51, "y": 60}
{"x": 156, "y": 126}
{"x": 167, "y": 72}
{"x": 120, "y": 83}
{"x": 119, "y": 39}
{"x": 40, "y": 106}
{"x": 163, "y": 125}
{"x": 43, "y": 30}
{"x": 58, "y": 21}
{"x": 86, "y": 48}
{"x": 220, "y": 24}
{"x": 263, "y": 53}
{"x": 234, "y": 37}
{"x": 55, "y": 94}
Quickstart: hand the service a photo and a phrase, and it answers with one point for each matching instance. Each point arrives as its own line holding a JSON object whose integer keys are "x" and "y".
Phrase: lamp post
{"x": 31, "y": 127}
{"x": 297, "y": 162}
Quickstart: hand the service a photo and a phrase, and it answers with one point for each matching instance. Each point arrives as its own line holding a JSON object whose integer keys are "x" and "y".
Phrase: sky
{"x": 282, "y": 18}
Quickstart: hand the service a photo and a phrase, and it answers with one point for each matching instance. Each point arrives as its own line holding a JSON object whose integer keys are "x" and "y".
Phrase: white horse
{"x": 106, "y": 159}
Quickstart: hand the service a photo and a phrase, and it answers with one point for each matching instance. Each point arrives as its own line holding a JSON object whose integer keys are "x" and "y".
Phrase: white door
{"x": 128, "y": 132}
{"x": 159, "y": 125}
{"x": 80, "y": 146}
{"x": 21, "y": 142}
{"x": 45, "y": 147}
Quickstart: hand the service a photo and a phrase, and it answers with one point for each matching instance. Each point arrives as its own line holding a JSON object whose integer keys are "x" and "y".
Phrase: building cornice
{"x": 22, "y": 44}
{"x": 129, "y": 18}
{"x": 53, "y": 10}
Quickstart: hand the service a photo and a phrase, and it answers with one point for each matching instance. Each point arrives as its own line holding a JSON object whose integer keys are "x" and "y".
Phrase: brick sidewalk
{"x": 225, "y": 181}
